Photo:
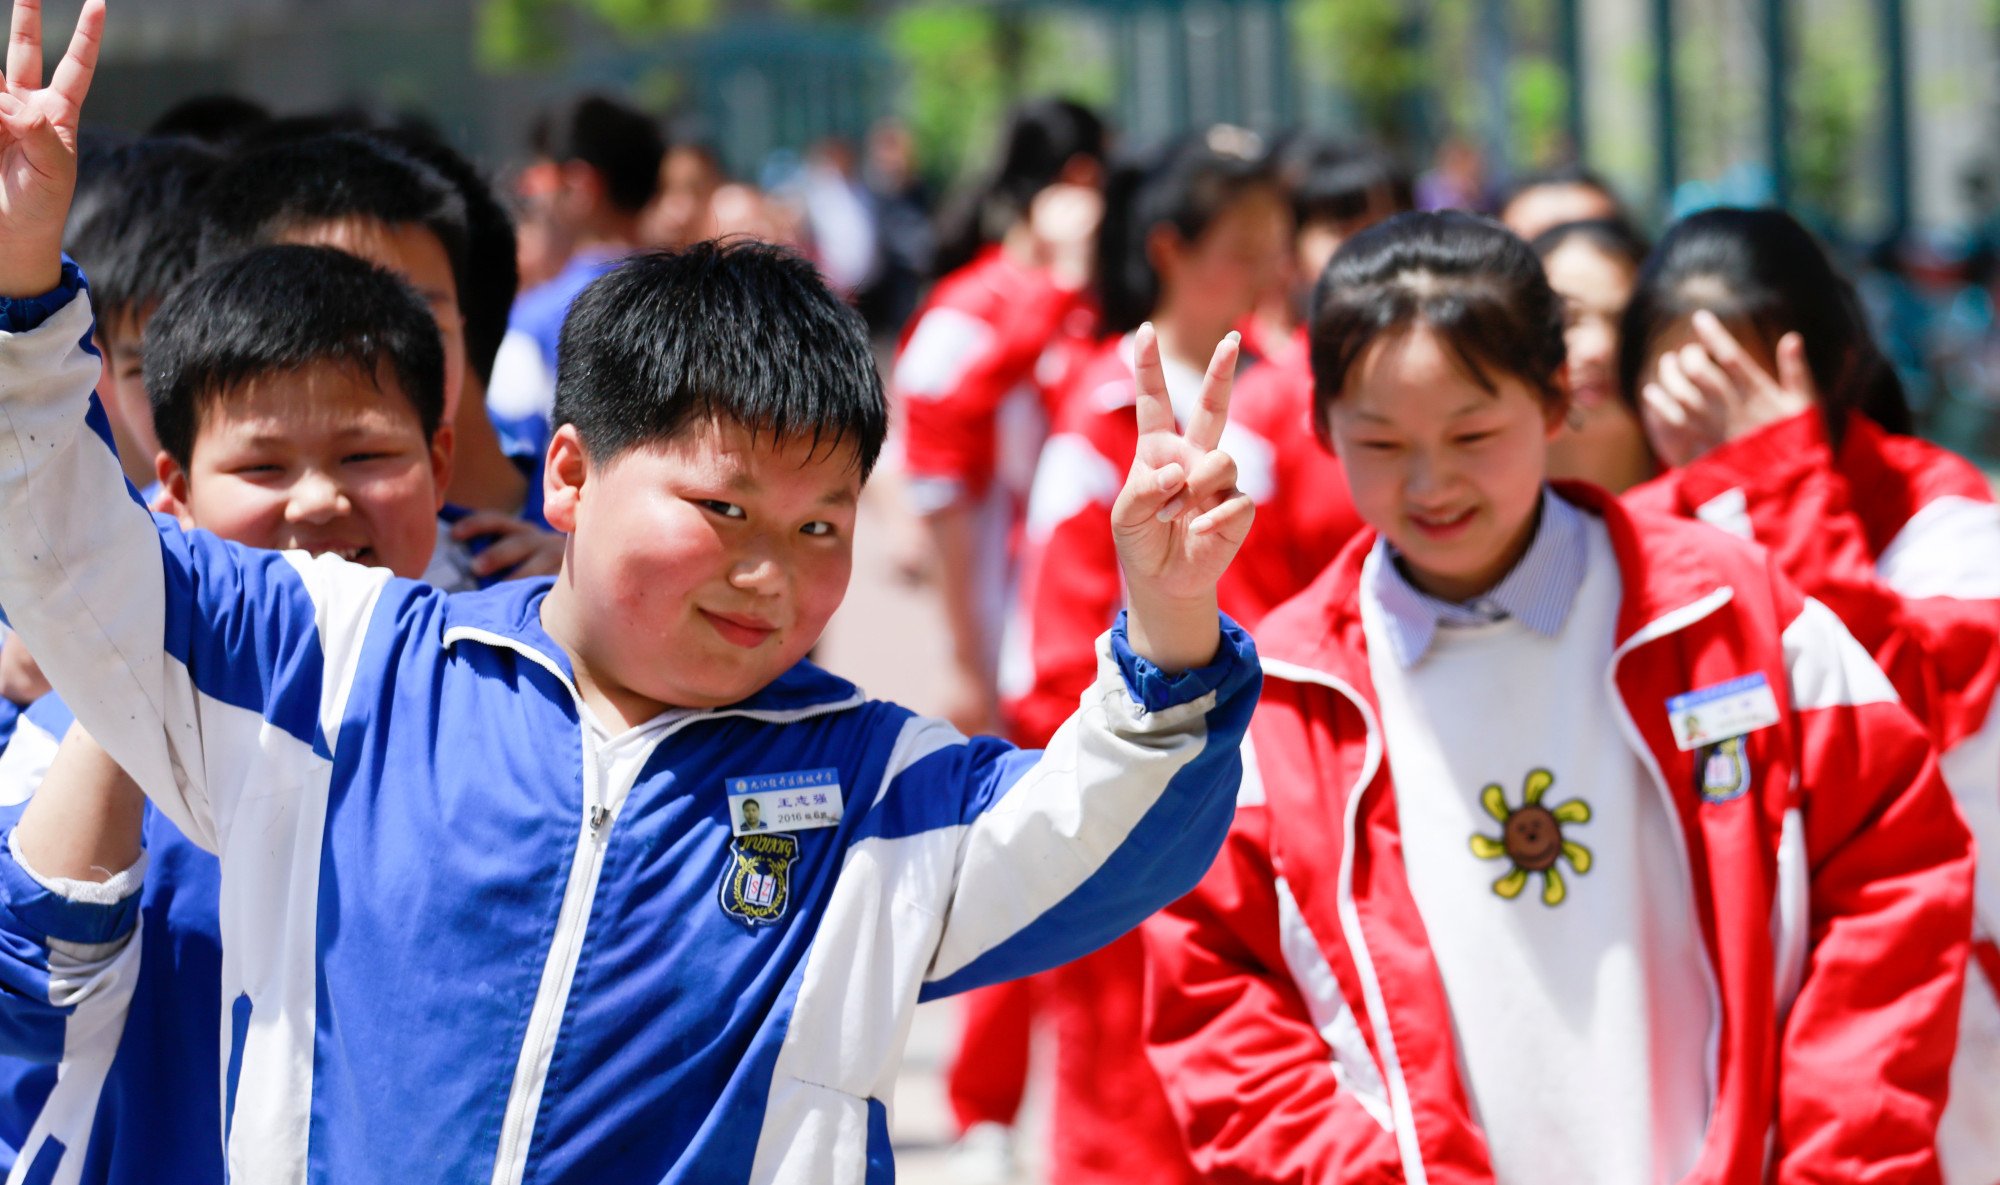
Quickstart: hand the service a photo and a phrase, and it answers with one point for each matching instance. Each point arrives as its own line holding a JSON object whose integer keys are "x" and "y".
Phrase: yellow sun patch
{"x": 1531, "y": 836}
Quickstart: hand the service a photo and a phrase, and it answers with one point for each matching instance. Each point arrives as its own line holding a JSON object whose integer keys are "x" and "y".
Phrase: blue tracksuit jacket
{"x": 471, "y": 935}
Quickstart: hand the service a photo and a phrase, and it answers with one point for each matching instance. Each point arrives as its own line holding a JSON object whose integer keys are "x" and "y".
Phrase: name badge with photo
{"x": 1723, "y": 711}
{"x": 799, "y": 800}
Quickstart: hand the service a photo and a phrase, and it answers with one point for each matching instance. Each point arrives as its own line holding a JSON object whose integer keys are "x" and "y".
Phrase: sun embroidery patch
{"x": 1531, "y": 835}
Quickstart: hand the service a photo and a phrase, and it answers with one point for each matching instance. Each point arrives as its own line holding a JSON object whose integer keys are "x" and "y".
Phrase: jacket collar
{"x": 1665, "y": 565}
{"x": 509, "y": 616}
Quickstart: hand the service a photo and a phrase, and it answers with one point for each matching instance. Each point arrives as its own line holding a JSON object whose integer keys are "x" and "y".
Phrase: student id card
{"x": 1722, "y": 711}
{"x": 799, "y": 800}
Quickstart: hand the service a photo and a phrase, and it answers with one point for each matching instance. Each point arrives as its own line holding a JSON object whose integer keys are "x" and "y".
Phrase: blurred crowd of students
{"x": 1725, "y": 374}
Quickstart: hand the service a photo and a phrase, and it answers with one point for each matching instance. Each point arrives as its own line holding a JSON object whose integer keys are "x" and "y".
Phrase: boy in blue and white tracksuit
{"x": 489, "y": 909}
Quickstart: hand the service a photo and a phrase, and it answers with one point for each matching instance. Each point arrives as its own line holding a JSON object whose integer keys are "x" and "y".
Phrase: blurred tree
{"x": 1835, "y": 92}
{"x": 1373, "y": 50}
{"x": 963, "y": 64}
{"x": 515, "y": 33}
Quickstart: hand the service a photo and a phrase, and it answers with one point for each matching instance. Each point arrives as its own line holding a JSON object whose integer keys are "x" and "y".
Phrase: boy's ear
{"x": 563, "y": 478}
{"x": 443, "y": 445}
{"x": 173, "y": 496}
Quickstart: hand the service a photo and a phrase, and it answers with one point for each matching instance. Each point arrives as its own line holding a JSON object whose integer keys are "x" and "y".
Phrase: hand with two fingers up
{"x": 1179, "y": 520}
{"x": 38, "y": 146}
{"x": 1712, "y": 391}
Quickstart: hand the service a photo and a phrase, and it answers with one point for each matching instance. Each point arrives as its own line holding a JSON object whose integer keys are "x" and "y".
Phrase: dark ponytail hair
{"x": 1185, "y": 184}
{"x": 1465, "y": 278}
{"x": 1041, "y": 137}
{"x": 1761, "y": 268}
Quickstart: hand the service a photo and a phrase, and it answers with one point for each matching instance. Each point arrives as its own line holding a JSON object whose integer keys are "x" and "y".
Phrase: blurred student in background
{"x": 1592, "y": 266}
{"x": 976, "y": 379}
{"x": 1193, "y": 234}
{"x": 596, "y": 167}
{"x": 1747, "y": 355}
{"x": 1541, "y": 201}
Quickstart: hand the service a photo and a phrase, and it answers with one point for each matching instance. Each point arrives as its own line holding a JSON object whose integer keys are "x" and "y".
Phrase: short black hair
{"x": 492, "y": 263}
{"x": 730, "y": 330}
{"x": 621, "y": 142}
{"x": 283, "y": 184}
{"x": 134, "y": 225}
{"x": 274, "y": 310}
{"x": 1466, "y": 278}
{"x": 223, "y": 120}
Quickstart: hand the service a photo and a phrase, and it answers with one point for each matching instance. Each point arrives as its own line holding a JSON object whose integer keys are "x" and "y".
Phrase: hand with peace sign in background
{"x": 38, "y": 146}
{"x": 1179, "y": 519}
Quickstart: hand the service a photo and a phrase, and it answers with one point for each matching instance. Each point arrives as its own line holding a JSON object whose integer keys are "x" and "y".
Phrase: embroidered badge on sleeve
{"x": 1531, "y": 836}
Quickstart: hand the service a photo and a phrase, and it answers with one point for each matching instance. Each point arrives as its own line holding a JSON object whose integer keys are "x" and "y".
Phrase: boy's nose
{"x": 316, "y": 497}
{"x": 761, "y": 575}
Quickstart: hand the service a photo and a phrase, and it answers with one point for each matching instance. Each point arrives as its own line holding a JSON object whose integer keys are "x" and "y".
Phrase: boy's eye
{"x": 1380, "y": 446}
{"x": 363, "y": 458}
{"x": 725, "y": 509}
{"x": 1472, "y": 437}
{"x": 818, "y": 530}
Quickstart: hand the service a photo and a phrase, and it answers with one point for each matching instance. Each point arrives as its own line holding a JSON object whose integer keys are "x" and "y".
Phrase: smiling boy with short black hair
{"x": 489, "y": 915}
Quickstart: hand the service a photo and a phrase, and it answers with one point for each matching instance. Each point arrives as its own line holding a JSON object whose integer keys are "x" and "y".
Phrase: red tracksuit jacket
{"x": 990, "y": 332}
{"x": 1293, "y": 997}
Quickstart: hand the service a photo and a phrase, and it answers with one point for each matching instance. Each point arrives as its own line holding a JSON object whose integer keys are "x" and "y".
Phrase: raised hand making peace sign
{"x": 38, "y": 146}
{"x": 1179, "y": 519}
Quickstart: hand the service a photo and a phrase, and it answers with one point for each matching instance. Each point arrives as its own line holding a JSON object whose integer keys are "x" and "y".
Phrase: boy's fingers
{"x": 1154, "y": 407}
{"x": 1231, "y": 520}
{"x": 79, "y": 65}
{"x": 1214, "y": 473}
{"x": 24, "y": 46}
{"x": 1211, "y": 414}
{"x": 1145, "y": 492}
{"x": 486, "y": 522}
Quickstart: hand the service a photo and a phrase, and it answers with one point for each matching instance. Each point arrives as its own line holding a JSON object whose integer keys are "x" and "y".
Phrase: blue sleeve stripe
{"x": 1164, "y": 857}
{"x": 46, "y": 1163}
{"x": 51, "y": 715}
{"x": 245, "y": 626}
{"x": 48, "y": 915}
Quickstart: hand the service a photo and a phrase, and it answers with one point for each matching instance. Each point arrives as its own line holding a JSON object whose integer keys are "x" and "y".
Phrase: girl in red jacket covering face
{"x": 1747, "y": 356}
{"x": 1577, "y": 845}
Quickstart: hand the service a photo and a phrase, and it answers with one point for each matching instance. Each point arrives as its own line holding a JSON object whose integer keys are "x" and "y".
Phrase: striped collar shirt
{"x": 1538, "y": 592}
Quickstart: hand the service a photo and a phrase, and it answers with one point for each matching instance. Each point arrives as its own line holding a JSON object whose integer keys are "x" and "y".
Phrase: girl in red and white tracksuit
{"x": 1191, "y": 234}
{"x": 1577, "y": 844}
{"x": 976, "y": 379}
{"x": 1750, "y": 361}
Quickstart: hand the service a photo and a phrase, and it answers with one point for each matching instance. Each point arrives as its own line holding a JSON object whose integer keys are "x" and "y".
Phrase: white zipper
{"x": 600, "y": 812}
{"x": 1661, "y": 627}
{"x": 1408, "y": 1146}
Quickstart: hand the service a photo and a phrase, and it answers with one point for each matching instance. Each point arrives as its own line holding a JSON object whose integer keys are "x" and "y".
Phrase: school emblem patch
{"x": 757, "y": 884}
{"x": 1723, "y": 769}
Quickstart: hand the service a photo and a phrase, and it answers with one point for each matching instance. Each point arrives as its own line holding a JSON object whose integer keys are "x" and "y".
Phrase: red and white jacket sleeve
{"x": 954, "y": 372}
{"x": 1931, "y": 621}
{"x": 1247, "y": 1073}
{"x": 1071, "y": 587}
{"x": 1867, "y": 1046}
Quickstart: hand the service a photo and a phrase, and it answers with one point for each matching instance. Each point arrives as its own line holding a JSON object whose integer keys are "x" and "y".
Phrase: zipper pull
{"x": 599, "y": 816}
